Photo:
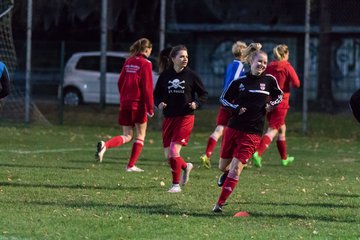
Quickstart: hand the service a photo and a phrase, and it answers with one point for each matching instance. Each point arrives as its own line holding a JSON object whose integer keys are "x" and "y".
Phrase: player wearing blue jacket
{"x": 233, "y": 71}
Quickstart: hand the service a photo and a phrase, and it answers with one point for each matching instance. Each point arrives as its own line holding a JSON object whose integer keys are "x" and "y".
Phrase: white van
{"x": 82, "y": 77}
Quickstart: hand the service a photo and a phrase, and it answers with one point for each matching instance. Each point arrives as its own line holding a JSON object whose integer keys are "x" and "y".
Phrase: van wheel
{"x": 72, "y": 97}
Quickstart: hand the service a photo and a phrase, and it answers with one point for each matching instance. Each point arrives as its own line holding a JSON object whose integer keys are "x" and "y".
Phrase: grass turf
{"x": 51, "y": 188}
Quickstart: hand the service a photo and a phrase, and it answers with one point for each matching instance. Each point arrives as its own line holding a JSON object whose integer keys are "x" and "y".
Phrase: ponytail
{"x": 139, "y": 46}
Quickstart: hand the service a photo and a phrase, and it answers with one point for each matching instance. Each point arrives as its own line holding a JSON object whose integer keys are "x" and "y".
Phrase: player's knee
{"x": 127, "y": 138}
{"x": 218, "y": 132}
{"x": 223, "y": 164}
{"x": 237, "y": 167}
{"x": 222, "y": 168}
{"x": 282, "y": 129}
{"x": 281, "y": 137}
{"x": 173, "y": 152}
{"x": 270, "y": 135}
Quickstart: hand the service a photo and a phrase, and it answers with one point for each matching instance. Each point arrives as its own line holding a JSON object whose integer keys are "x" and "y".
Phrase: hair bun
{"x": 256, "y": 46}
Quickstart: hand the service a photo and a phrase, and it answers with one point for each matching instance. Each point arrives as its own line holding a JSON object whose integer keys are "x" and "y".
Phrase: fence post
{"x": 61, "y": 82}
{"x": 306, "y": 65}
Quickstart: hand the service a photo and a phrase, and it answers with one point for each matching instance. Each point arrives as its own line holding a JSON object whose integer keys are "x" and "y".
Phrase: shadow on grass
{"x": 169, "y": 210}
{"x": 298, "y": 216}
{"x": 343, "y": 195}
{"x": 172, "y": 210}
{"x": 77, "y": 186}
{"x": 156, "y": 209}
{"x": 35, "y": 166}
{"x": 325, "y": 205}
{"x": 111, "y": 162}
{"x": 115, "y": 160}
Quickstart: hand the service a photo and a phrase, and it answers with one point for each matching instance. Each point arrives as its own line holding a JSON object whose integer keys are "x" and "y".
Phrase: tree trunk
{"x": 325, "y": 99}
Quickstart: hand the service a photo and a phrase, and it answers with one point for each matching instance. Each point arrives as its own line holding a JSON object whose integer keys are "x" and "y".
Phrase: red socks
{"x": 228, "y": 188}
{"x": 114, "y": 142}
{"x": 264, "y": 144}
{"x": 281, "y": 145}
{"x": 176, "y": 164}
{"x": 135, "y": 152}
{"x": 210, "y": 146}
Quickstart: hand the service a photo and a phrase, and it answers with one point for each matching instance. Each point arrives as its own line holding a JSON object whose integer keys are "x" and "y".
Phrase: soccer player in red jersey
{"x": 249, "y": 97}
{"x": 179, "y": 91}
{"x": 286, "y": 76}
{"x": 135, "y": 86}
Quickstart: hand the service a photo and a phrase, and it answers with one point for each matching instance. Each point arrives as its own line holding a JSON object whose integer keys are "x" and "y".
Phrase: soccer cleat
{"x": 134, "y": 169}
{"x": 217, "y": 208}
{"x": 205, "y": 160}
{"x": 256, "y": 159}
{"x": 287, "y": 161}
{"x": 175, "y": 188}
{"x": 186, "y": 173}
{"x": 222, "y": 179}
{"x": 100, "y": 150}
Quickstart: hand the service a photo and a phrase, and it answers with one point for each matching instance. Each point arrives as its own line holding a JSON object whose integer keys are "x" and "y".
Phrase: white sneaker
{"x": 186, "y": 173}
{"x": 134, "y": 169}
{"x": 100, "y": 150}
{"x": 175, "y": 188}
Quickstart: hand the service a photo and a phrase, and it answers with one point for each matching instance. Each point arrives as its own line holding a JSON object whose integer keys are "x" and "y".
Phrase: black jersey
{"x": 253, "y": 93}
{"x": 177, "y": 90}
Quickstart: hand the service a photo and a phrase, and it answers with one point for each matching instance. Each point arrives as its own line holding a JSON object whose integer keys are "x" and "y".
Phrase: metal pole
{"x": 306, "y": 66}
{"x": 162, "y": 24}
{"x": 161, "y": 46}
{"x": 103, "y": 47}
{"x": 61, "y": 83}
{"x": 28, "y": 62}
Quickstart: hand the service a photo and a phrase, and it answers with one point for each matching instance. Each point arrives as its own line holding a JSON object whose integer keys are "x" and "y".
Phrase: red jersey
{"x": 135, "y": 84}
{"x": 285, "y": 76}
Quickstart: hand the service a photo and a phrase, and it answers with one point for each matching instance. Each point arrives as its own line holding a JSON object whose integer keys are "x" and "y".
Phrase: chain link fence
{"x": 210, "y": 43}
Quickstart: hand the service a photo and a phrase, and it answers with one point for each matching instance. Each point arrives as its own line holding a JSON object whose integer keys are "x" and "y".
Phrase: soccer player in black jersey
{"x": 250, "y": 97}
{"x": 179, "y": 91}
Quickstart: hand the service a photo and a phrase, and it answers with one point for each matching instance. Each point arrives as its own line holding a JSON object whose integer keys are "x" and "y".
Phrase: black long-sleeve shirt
{"x": 177, "y": 90}
{"x": 253, "y": 93}
{"x": 4, "y": 81}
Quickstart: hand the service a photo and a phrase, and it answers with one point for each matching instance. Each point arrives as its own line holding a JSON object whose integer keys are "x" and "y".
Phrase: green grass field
{"x": 51, "y": 187}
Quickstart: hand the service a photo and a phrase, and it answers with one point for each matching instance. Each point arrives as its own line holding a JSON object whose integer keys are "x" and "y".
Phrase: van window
{"x": 115, "y": 64}
{"x": 92, "y": 63}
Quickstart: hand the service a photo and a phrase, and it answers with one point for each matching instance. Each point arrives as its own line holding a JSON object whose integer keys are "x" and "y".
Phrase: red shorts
{"x": 128, "y": 117}
{"x": 239, "y": 145}
{"x": 276, "y": 118}
{"x": 177, "y": 129}
{"x": 223, "y": 116}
